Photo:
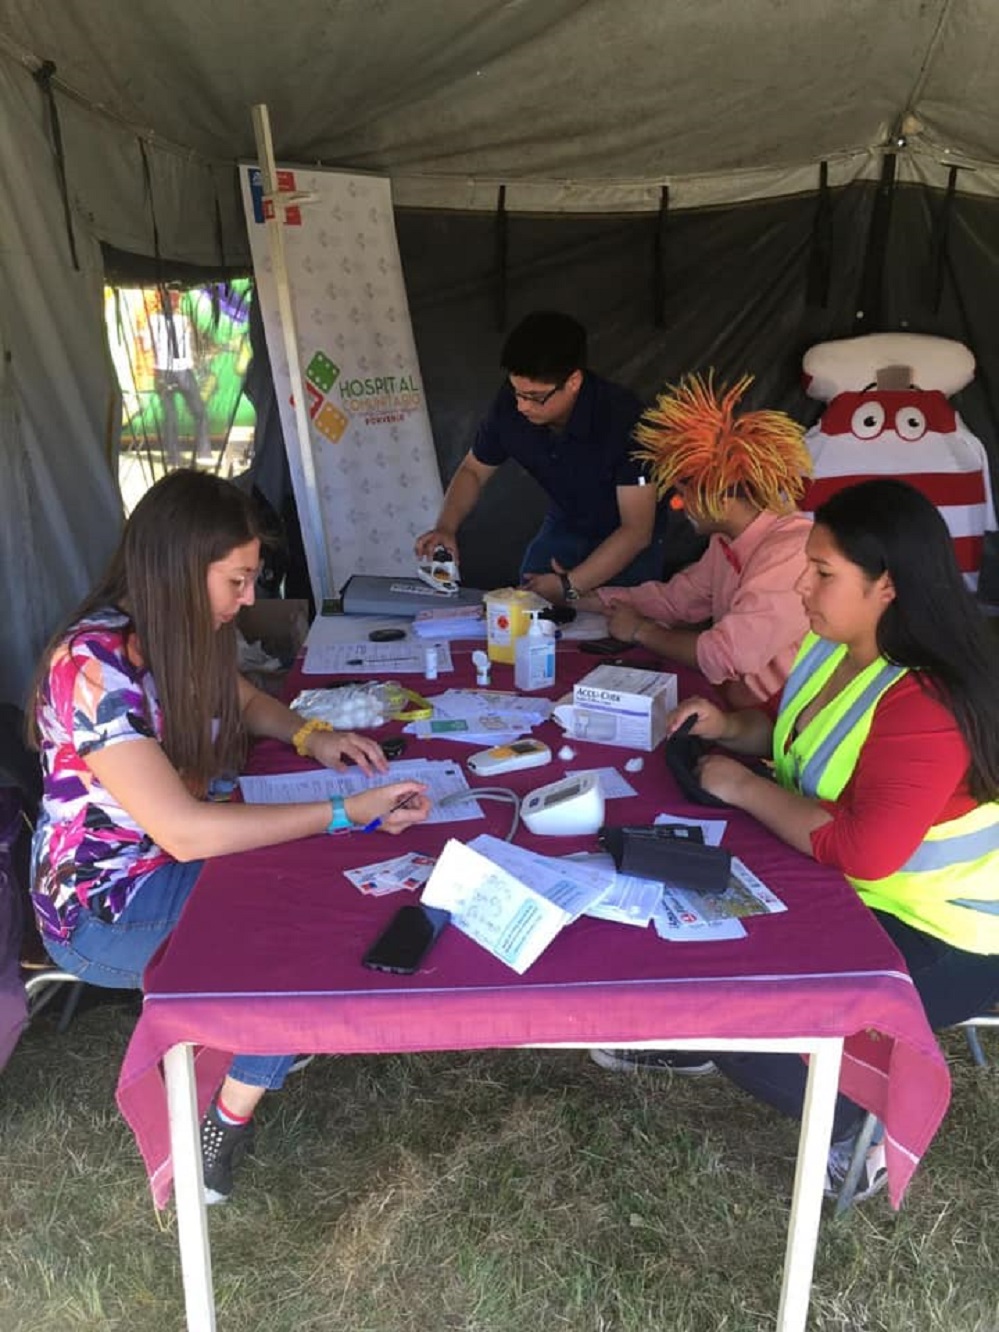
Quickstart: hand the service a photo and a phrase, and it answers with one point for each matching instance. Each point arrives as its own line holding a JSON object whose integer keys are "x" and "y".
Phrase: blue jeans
{"x": 114, "y": 954}
{"x": 555, "y": 540}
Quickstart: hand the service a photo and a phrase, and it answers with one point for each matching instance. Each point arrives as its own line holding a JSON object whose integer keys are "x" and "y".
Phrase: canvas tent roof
{"x": 571, "y": 103}
{"x": 575, "y": 106}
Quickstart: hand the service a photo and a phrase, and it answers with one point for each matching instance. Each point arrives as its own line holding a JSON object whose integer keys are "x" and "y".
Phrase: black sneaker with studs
{"x": 687, "y": 1063}
{"x": 223, "y": 1146}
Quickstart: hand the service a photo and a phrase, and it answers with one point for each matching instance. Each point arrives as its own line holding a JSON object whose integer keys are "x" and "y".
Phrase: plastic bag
{"x": 350, "y": 706}
{"x": 356, "y": 705}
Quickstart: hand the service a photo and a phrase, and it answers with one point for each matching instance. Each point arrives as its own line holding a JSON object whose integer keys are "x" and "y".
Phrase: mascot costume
{"x": 888, "y": 415}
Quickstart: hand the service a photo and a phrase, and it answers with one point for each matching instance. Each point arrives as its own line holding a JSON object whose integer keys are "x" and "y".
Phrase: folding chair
{"x": 41, "y": 988}
{"x": 989, "y": 1019}
{"x": 872, "y": 1126}
{"x": 20, "y": 776}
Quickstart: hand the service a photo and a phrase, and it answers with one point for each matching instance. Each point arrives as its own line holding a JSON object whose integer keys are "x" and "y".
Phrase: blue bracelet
{"x": 341, "y": 820}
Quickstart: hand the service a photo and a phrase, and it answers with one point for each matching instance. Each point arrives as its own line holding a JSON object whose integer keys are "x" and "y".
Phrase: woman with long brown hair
{"x": 138, "y": 707}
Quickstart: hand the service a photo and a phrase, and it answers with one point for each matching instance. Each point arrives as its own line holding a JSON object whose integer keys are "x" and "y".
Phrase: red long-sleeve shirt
{"x": 910, "y": 775}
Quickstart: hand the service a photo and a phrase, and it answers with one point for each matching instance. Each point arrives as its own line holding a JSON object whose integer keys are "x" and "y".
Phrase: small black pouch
{"x": 673, "y": 854}
{"x": 683, "y": 752}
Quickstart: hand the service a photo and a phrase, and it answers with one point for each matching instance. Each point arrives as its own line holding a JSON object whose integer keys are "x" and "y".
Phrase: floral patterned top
{"x": 87, "y": 851}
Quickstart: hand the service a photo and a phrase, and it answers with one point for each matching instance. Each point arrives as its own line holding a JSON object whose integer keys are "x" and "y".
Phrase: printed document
{"x": 696, "y": 917}
{"x": 401, "y": 657}
{"x": 493, "y": 907}
{"x": 572, "y": 885}
{"x": 441, "y": 778}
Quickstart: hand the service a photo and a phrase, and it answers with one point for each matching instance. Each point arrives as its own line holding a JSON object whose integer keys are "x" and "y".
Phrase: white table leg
{"x": 188, "y": 1185}
{"x": 809, "y": 1176}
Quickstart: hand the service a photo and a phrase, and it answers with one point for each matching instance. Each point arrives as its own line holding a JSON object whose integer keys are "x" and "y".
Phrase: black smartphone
{"x": 407, "y": 940}
{"x": 605, "y": 647}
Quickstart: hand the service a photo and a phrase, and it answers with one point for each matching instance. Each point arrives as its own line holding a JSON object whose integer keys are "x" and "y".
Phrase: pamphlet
{"x": 572, "y": 885}
{"x": 493, "y": 907}
{"x": 697, "y": 917}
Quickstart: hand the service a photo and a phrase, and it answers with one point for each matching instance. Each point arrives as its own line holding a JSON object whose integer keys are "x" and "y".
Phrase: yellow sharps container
{"x": 508, "y": 615}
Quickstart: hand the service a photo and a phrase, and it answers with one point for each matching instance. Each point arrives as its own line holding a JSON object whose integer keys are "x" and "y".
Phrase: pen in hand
{"x": 399, "y": 804}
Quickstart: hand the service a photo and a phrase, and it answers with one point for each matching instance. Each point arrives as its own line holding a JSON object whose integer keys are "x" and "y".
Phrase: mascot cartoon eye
{"x": 868, "y": 420}
{"x": 910, "y": 423}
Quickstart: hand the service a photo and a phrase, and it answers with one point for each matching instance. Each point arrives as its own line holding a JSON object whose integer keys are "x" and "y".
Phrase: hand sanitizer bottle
{"x": 534, "y": 661}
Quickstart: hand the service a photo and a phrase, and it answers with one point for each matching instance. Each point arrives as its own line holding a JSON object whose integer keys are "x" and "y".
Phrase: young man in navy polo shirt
{"x": 571, "y": 431}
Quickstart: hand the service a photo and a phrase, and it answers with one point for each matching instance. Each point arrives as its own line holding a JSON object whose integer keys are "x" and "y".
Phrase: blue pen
{"x": 400, "y": 804}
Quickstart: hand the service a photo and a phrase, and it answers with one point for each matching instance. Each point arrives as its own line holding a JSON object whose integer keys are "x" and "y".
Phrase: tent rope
{"x": 43, "y": 77}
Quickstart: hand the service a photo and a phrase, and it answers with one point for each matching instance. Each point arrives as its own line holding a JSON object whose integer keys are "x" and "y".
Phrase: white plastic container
{"x": 534, "y": 659}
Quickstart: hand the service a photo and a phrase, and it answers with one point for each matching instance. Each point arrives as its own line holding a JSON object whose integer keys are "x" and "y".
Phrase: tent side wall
{"x": 741, "y": 287}
{"x": 59, "y": 507}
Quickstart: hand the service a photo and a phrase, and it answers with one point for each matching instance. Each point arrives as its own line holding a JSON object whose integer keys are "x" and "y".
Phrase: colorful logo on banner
{"x": 264, "y": 209}
{"x": 381, "y": 399}
{"x": 320, "y": 375}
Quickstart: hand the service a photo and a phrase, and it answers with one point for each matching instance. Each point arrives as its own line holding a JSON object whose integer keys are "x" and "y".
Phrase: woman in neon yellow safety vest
{"x": 886, "y": 753}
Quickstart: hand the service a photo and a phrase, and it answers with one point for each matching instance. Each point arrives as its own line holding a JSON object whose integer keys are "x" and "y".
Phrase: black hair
{"x": 546, "y": 346}
{"x": 933, "y": 624}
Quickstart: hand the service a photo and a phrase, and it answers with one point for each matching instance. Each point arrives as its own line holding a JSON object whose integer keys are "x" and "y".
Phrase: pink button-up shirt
{"x": 746, "y": 588}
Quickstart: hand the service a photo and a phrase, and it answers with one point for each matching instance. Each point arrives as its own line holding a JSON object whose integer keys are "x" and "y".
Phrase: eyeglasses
{"x": 537, "y": 398}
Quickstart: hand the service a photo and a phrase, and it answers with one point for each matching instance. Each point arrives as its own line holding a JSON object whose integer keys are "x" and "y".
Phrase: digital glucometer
{"x": 571, "y": 807}
{"x": 509, "y": 758}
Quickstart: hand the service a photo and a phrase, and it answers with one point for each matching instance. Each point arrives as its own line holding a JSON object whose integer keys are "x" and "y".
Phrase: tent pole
{"x": 871, "y": 302}
{"x": 502, "y": 255}
{"x": 309, "y": 512}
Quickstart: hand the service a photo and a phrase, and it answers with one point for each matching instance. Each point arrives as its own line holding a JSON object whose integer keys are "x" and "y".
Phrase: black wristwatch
{"x": 569, "y": 593}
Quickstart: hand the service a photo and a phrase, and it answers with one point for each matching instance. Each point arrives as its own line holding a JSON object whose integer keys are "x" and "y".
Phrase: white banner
{"x": 373, "y": 453}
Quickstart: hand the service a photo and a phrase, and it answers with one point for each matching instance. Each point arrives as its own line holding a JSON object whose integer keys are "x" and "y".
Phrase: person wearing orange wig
{"x": 734, "y": 614}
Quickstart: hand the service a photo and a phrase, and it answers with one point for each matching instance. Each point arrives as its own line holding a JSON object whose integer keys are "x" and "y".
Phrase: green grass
{"x": 493, "y": 1192}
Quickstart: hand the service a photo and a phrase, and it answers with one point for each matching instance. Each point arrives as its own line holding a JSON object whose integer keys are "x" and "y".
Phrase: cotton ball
{"x": 567, "y": 753}
{"x": 635, "y": 764}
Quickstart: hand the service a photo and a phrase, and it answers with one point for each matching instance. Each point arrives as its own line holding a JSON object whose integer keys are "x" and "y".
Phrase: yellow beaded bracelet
{"x": 301, "y": 736}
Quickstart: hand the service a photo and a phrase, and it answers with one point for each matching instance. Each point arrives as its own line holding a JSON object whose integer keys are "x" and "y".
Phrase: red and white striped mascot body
{"x": 888, "y": 415}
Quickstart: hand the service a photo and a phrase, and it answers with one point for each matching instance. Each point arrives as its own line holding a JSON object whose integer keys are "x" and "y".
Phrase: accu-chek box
{"x": 617, "y": 705}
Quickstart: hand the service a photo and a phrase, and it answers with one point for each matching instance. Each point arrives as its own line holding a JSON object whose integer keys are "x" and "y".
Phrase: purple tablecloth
{"x": 266, "y": 957}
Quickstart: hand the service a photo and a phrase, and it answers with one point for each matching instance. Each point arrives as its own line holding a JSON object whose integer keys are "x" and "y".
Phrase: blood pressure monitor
{"x": 571, "y": 807}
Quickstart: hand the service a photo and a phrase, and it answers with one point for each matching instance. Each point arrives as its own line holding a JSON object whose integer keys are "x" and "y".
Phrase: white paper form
{"x": 571, "y": 885}
{"x": 328, "y": 632}
{"x": 627, "y": 900}
{"x": 481, "y": 717}
{"x": 521, "y": 713}
{"x": 401, "y": 657}
{"x": 587, "y": 624}
{"x": 613, "y": 785}
{"x": 441, "y": 778}
{"x": 509, "y": 919}
{"x": 451, "y": 622}
{"x": 712, "y": 829}
{"x": 487, "y": 730}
